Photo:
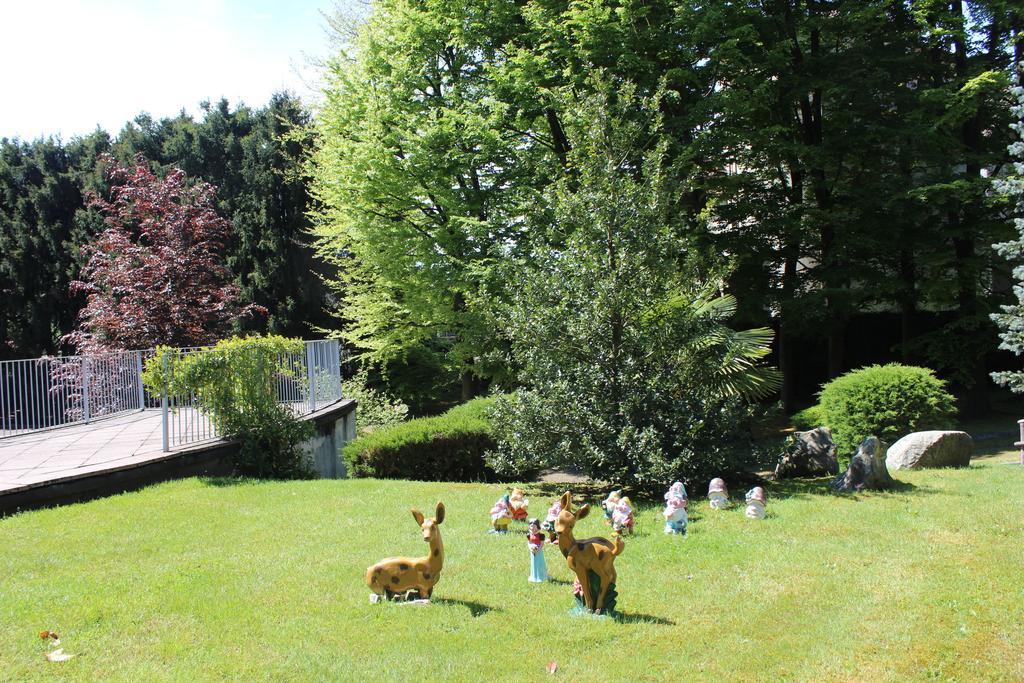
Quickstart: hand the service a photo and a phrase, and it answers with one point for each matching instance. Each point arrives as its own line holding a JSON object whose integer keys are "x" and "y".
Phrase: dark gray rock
{"x": 808, "y": 454}
{"x": 931, "y": 449}
{"x": 867, "y": 469}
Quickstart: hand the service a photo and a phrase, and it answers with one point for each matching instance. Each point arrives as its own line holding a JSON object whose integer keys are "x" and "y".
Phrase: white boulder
{"x": 931, "y": 449}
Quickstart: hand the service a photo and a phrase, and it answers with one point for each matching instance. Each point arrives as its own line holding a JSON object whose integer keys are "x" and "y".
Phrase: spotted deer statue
{"x": 595, "y": 555}
{"x": 399, "y": 575}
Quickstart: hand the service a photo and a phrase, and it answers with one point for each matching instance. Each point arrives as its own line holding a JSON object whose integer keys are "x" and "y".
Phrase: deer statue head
{"x": 429, "y": 525}
{"x": 567, "y": 518}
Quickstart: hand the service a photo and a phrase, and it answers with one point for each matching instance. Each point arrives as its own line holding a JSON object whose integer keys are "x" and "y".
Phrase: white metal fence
{"x": 57, "y": 391}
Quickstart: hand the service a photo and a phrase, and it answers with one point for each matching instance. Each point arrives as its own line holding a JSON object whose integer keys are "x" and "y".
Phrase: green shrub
{"x": 887, "y": 401}
{"x": 809, "y": 418}
{"x": 448, "y": 447}
{"x": 377, "y": 409}
{"x": 235, "y": 384}
{"x": 693, "y": 438}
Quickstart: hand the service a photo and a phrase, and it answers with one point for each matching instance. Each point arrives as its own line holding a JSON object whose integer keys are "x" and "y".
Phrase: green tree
{"x": 420, "y": 175}
{"x": 272, "y": 253}
{"x": 630, "y": 372}
{"x": 1011, "y": 320}
{"x": 255, "y": 158}
{"x": 43, "y": 221}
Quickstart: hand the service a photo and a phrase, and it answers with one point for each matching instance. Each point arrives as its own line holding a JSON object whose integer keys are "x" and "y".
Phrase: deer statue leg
{"x": 584, "y": 578}
{"x": 607, "y": 577}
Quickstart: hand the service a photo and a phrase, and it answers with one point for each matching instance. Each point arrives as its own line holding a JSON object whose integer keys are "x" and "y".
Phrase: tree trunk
{"x": 559, "y": 140}
{"x": 788, "y": 369}
{"x": 1018, "y": 46}
{"x": 811, "y": 127}
{"x": 469, "y": 385}
{"x": 836, "y": 350}
{"x": 975, "y": 401}
{"x": 908, "y": 303}
{"x": 791, "y": 262}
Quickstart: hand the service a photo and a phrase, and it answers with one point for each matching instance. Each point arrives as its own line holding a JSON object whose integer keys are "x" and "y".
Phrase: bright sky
{"x": 68, "y": 66}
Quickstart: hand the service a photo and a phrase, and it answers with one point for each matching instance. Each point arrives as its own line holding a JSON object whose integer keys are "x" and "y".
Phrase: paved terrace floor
{"x": 67, "y": 452}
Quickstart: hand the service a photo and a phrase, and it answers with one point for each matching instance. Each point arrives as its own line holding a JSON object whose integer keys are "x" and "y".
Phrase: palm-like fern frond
{"x": 731, "y": 358}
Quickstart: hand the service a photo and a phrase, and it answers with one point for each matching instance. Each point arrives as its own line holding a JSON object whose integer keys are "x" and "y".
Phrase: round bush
{"x": 809, "y": 418}
{"x": 887, "y": 401}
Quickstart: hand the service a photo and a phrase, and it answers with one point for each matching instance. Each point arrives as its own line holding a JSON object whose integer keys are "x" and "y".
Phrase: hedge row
{"x": 448, "y": 447}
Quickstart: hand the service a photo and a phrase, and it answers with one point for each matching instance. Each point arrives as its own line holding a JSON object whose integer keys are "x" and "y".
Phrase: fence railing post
{"x": 138, "y": 377}
{"x": 1020, "y": 444}
{"x": 311, "y": 376}
{"x": 164, "y": 405}
{"x": 86, "y": 412}
{"x": 336, "y": 363}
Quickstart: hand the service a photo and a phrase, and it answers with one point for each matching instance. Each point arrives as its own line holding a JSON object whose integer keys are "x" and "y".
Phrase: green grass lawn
{"x": 195, "y": 580}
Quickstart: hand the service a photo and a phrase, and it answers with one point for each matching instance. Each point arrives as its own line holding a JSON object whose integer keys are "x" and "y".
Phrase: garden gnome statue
{"x": 609, "y": 504}
{"x": 755, "y": 503}
{"x": 675, "y": 509}
{"x": 549, "y": 521}
{"x": 718, "y": 495}
{"x": 500, "y": 516}
{"x": 622, "y": 517}
{"x": 517, "y": 504}
{"x": 535, "y": 542}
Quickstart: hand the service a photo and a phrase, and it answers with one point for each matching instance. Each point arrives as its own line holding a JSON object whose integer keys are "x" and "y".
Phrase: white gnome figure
{"x": 622, "y": 517}
{"x": 548, "y": 524}
{"x": 718, "y": 494}
{"x": 609, "y": 504}
{"x": 675, "y": 509}
{"x": 755, "y": 503}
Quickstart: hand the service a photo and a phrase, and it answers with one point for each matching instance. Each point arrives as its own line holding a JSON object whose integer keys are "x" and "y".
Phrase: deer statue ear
{"x": 583, "y": 511}
{"x": 439, "y": 514}
{"x": 567, "y": 501}
{"x": 418, "y": 516}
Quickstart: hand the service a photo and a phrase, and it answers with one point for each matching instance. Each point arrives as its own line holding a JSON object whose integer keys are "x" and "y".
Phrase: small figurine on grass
{"x": 535, "y": 542}
{"x": 549, "y": 521}
{"x": 500, "y": 516}
{"x": 609, "y": 503}
{"x": 405, "y": 578}
{"x": 755, "y": 503}
{"x": 622, "y": 517}
{"x": 718, "y": 494}
{"x": 675, "y": 509}
{"x": 591, "y": 559}
{"x": 517, "y": 504}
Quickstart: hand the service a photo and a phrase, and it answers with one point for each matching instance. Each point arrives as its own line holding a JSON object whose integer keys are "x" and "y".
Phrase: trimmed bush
{"x": 693, "y": 439}
{"x": 809, "y": 418}
{"x": 448, "y": 447}
{"x": 887, "y": 401}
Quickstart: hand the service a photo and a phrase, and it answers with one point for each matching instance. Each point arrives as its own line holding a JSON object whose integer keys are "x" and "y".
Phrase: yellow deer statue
{"x": 592, "y": 554}
{"x": 399, "y": 575}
